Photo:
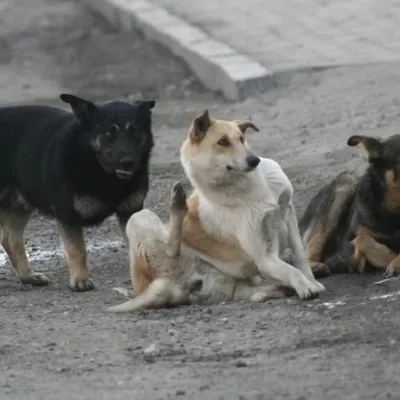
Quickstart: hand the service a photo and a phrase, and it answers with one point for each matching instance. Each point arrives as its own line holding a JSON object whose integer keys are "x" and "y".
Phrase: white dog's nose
{"x": 253, "y": 160}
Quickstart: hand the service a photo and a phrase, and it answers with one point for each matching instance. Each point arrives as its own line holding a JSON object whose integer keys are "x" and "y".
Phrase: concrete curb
{"x": 216, "y": 65}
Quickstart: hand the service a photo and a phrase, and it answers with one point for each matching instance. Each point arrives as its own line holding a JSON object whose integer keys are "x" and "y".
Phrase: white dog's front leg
{"x": 272, "y": 266}
{"x": 299, "y": 258}
{"x": 264, "y": 248}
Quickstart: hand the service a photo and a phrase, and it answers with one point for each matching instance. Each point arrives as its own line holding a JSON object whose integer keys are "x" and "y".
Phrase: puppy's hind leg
{"x": 153, "y": 255}
{"x": 160, "y": 293}
{"x": 12, "y": 239}
{"x": 177, "y": 212}
{"x": 259, "y": 294}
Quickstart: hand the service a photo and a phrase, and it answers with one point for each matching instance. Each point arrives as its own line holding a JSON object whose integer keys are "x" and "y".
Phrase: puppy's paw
{"x": 35, "y": 278}
{"x": 81, "y": 285}
{"x": 178, "y": 198}
{"x": 320, "y": 270}
{"x": 178, "y": 205}
{"x": 259, "y": 297}
{"x": 358, "y": 265}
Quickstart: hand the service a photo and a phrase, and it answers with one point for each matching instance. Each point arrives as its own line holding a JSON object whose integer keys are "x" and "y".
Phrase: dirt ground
{"x": 60, "y": 345}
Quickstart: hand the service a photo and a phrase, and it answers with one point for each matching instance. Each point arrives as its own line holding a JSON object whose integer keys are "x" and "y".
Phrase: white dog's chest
{"x": 243, "y": 224}
{"x": 236, "y": 227}
{"x": 235, "y": 224}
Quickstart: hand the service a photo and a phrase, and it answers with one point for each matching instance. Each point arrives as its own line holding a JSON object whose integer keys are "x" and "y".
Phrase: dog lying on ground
{"x": 355, "y": 225}
{"x": 240, "y": 216}
{"x": 78, "y": 168}
{"x": 165, "y": 274}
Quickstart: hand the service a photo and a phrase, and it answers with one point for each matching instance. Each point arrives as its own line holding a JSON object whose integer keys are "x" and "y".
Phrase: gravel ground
{"x": 60, "y": 345}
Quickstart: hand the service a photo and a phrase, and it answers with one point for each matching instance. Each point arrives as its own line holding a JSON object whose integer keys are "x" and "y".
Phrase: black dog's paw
{"x": 82, "y": 285}
{"x": 320, "y": 270}
{"x": 178, "y": 198}
{"x": 390, "y": 272}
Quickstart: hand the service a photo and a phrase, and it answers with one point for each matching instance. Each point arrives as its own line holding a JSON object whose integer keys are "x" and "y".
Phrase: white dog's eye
{"x": 223, "y": 142}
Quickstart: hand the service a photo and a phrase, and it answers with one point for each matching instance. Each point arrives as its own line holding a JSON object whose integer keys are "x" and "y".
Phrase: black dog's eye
{"x": 131, "y": 129}
{"x": 112, "y": 131}
{"x": 224, "y": 142}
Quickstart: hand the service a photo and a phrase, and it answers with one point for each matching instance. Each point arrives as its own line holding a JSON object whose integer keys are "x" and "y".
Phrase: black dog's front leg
{"x": 75, "y": 249}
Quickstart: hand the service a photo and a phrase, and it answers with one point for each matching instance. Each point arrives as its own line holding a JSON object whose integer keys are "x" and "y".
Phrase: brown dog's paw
{"x": 178, "y": 198}
{"x": 81, "y": 285}
{"x": 320, "y": 270}
{"x": 35, "y": 278}
{"x": 390, "y": 272}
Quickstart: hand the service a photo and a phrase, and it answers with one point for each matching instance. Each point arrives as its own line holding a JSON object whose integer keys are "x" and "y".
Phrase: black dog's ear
{"x": 83, "y": 109}
{"x": 150, "y": 103}
{"x": 372, "y": 146}
{"x": 200, "y": 126}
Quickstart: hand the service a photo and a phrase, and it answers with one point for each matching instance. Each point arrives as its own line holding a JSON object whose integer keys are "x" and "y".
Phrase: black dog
{"x": 355, "y": 224}
{"x": 78, "y": 168}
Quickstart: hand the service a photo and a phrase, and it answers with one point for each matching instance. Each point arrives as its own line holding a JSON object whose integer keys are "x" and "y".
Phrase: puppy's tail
{"x": 160, "y": 293}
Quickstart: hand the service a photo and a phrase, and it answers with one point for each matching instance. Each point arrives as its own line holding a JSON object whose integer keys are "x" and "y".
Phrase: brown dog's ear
{"x": 243, "y": 125}
{"x": 201, "y": 125}
{"x": 372, "y": 145}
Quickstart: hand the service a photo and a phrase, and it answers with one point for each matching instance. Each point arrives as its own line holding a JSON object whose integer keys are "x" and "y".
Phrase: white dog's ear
{"x": 243, "y": 125}
{"x": 201, "y": 125}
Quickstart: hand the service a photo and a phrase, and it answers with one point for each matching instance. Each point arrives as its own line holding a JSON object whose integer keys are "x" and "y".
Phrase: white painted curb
{"x": 216, "y": 65}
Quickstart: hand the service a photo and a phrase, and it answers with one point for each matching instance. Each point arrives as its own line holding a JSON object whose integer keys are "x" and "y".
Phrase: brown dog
{"x": 355, "y": 225}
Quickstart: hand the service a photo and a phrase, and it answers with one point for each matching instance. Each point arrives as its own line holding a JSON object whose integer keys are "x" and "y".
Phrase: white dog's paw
{"x": 306, "y": 289}
{"x": 259, "y": 297}
{"x": 320, "y": 286}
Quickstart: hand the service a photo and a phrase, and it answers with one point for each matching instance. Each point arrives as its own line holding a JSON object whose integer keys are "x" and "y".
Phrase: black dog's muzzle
{"x": 126, "y": 168}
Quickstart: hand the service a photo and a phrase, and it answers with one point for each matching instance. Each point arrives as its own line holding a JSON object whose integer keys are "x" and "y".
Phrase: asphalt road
{"x": 60, "y": 345}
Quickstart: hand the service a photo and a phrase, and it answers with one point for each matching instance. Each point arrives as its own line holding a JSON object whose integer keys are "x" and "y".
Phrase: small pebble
{"x": 241, "y": 364}
{"x": 150, "y": 352}
{"x": 150, "y": 349}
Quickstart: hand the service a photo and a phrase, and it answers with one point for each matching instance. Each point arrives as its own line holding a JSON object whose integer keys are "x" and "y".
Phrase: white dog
{"x": 240, "y": 218}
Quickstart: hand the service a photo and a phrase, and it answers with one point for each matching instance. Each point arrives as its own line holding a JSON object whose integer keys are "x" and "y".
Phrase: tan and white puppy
{"x": 241, "y": 215}
{"x": 164, "y": 273}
